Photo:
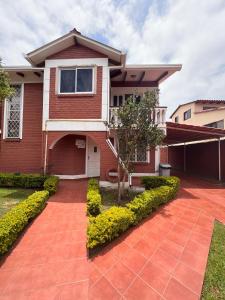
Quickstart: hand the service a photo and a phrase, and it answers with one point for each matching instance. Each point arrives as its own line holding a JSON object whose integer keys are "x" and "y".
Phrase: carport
{"x": 196, "y": 150}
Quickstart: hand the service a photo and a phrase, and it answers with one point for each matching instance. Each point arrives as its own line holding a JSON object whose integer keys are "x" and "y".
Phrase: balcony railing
{"x": 159, "y": 115}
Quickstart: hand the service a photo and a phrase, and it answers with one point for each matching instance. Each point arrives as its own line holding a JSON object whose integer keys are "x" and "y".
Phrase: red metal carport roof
{"x": 182, "y": 133}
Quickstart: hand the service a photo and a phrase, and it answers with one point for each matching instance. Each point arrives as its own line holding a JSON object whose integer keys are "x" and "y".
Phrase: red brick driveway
{"x": 163, "y": 258}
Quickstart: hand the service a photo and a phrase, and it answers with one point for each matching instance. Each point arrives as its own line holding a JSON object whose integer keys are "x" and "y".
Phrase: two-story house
{"x": 209, "y": 113}
{"x": 55, "y": 122}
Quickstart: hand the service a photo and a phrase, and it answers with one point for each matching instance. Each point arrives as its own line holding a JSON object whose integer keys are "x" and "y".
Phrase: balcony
{"x": 159, "y": 115}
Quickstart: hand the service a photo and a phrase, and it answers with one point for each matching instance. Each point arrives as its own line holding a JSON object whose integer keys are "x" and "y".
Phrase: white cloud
{"x": 167, "y": 31}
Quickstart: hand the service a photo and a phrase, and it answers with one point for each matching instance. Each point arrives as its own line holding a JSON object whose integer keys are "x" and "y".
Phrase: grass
{"x": 9, "y": 197}
{"x": 214, "y": 282}
{"x": 109, "y": 197}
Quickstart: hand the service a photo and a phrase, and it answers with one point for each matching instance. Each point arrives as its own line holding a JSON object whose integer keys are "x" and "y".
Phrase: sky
{"x": 191, "y": 33}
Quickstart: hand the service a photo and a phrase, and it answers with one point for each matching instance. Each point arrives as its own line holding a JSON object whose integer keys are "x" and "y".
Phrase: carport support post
{"x": 219, "y": 160}
{"x": 184, "y": 157}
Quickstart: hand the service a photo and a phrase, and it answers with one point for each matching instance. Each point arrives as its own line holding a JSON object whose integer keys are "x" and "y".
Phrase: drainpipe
{"x": 219, "y": 160}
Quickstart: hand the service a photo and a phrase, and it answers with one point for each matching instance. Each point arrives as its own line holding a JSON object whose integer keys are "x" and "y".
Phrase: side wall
{"x": 25, "y": 155}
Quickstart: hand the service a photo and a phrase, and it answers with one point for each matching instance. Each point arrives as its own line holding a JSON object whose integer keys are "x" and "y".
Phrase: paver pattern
{"x": 50, "y": 260}
{"x": 163, "y": 258}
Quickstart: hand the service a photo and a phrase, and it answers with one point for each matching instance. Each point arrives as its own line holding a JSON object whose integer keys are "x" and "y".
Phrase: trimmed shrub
{"x": 108, "y": 225}
{"x": 22, "y": 180}
{"x": 151, "y": 182}
{"x": 14, "y": 221}
{"x": 94, "y": 200}
{"x": 51, "y": 184}
{"x": 145, "y": 203}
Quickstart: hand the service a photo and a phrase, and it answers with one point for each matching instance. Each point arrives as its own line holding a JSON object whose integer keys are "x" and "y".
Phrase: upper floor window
{"x": 208, "y": 107}
{"x": 13, "y": 114}
{"x": 77, "y": 80}
{"x": 187, "y": 114}
{"x": 176, "y": 119}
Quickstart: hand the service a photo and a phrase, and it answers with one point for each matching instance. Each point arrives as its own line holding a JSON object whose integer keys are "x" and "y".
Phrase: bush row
{"x": 94, "y": 201}
{"x": 14, "y": 221}
{"x": 38, "y": 181}
{"x": 110, "y": 224}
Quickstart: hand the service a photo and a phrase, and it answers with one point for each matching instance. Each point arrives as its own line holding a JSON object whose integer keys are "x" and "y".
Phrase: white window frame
{"x": 5, "y": 129}
{"x": 75, "y": 69}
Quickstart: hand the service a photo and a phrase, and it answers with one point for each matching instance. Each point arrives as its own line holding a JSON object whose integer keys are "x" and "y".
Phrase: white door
{"x": 93, "y": 159}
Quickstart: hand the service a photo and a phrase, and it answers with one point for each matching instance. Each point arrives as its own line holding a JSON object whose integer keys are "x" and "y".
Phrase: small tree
{"x": 135, "y": 129}
{"x": 5, "y": 89}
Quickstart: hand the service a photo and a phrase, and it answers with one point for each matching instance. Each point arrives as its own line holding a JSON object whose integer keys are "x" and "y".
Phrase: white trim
{"x": 75, "y": 125}
{"x": 71, "y": 177}
{"x": 75, "y": 69}
{"x": 53, "y": 63}
{"x": 219, "y": 160}
{"x": 108, "y": 184}
{"x": 21, "y": 111}
{"x": 157, "y": 158}
{"x": 46, "y": 92}
{"x": 105, "y": 93}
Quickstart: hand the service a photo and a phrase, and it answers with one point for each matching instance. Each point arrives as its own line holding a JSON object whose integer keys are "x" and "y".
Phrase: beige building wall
{"x": 198, "y": 115}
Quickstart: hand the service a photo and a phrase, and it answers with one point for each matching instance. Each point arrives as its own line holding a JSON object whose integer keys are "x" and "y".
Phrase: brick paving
{"x": 163, "y": 258}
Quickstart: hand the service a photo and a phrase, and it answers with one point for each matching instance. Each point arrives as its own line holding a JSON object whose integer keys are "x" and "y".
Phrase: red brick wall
{"x": 164, "y": 155}
{"x": 77, "y": 51}
{"x": 26, "y": 155}
{"x": 66, "y": 158}
{"x": 74, "y": 106}
{"x": 176, "y": 157}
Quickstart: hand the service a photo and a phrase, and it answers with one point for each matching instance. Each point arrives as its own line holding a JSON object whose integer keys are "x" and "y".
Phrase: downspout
{"x": 219, "y": 159}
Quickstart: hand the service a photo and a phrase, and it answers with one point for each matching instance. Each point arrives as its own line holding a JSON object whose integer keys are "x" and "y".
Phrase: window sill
{"x": 75, "y": 95}
{"x": 12, "y": 140}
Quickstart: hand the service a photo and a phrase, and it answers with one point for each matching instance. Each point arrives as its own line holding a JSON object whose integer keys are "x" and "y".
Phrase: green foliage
{"x": 14, "y": 221}
{"x": 51, "y": 184}
{"x": 214, "y": 282}
{"x": 108, "y": 225}
{"x": 145, "y": 203}
{"x": 5, "y": 89}
{"x": 112, "y": 222}
{"x": 22, "y": 180}
{"x": 94, "y": 201}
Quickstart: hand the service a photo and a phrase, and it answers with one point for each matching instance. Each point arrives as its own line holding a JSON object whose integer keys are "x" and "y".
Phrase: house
{"x": 210, "y": 113}
{"x": 55, "y": 122}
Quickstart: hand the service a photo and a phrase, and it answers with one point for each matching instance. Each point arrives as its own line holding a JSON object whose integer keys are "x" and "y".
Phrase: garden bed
{"x": 107, "y": 224}
{"x": 9, "y": 197}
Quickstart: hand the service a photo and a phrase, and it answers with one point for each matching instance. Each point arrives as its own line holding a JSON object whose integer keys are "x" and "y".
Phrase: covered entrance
{"x": 74, "y": 156}
{"x": 196, "y": 150}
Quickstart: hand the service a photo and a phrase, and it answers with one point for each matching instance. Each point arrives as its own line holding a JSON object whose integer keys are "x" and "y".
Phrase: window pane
{"x": 67, "y": 83}
{"x": 114, "y": 100}
{"x": 84, "y": 80}
{"x": 13, "y": 114}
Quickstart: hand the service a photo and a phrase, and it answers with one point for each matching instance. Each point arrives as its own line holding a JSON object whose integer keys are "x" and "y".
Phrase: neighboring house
{"x": 210, "y": 113}
{"x": 55, "y": 123}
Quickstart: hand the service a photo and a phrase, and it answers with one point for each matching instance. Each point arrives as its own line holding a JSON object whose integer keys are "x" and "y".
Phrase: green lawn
{"x": 109, "y": 197}
{"x": 214, "y": 282}
{"x": 11, "y": 196}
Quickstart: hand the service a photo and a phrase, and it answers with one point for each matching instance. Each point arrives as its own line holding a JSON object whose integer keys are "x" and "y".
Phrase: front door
{"x": 93, "y": 165}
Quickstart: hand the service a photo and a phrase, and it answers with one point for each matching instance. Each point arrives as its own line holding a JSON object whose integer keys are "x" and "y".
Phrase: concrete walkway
{"x": 50, "y": 261}
{"x": 163, "y": 258}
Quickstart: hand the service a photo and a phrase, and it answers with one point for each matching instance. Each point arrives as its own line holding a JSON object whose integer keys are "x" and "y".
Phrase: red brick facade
{"x": 26, "y": 155}
{"x": 77, "y": 51}
{"x": 75, "y": 106}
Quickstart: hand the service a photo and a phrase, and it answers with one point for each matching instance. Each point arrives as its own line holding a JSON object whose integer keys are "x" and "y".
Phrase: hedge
{"x": 108, "y": 225}
{"x": 38, "y": 181}
{"x": 111, "y": 223}
{"x": 94, "y": 200}
{"x": 51, "y": 184}
{"x": 14, "y": 221}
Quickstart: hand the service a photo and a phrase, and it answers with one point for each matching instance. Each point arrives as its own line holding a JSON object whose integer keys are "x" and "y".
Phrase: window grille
{"x": 13, "y": 113}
